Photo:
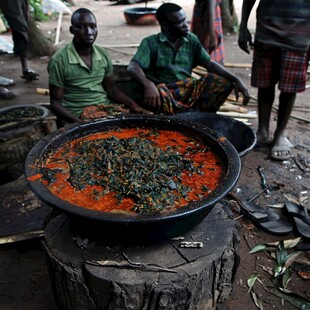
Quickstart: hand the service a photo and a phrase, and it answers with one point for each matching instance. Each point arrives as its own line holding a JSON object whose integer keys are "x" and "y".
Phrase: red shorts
{"x": 272, "y": 65}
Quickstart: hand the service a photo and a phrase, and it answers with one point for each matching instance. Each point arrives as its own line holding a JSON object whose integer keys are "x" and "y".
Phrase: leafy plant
{"x": 35, "y": 8}
{"x": 282, "y": 270}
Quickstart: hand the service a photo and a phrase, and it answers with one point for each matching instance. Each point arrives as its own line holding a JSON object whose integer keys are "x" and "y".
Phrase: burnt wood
{"x": 89, "y": 274}
{"x": 20, "y": 210}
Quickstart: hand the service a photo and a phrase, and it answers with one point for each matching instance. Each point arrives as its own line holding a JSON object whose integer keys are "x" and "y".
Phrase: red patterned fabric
{"x": 207, "y": 94}
{"x": 199, "y": 25}
{"x": 101, "y": 110}
{"x": 272, "y": 65}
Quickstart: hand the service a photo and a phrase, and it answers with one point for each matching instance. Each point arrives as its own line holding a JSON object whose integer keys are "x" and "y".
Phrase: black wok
{"x": 135, "y": 227}
{"x": 241, "y": 136}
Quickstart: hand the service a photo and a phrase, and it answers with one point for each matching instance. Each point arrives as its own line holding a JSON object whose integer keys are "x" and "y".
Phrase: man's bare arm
{"x": 245, "y": 37}
{"x": 56, "y": 95}
{"x": 115, "y": 93}
{"x": 239, "y": 85}
{"x": 151, "y": 94}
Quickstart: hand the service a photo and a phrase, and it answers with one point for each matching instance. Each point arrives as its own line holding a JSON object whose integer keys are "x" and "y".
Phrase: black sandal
{"x": 264, "y": 218}
{"x": 301, "y": 218}
{"x": 6, "y": 94}
{"x": 30, "y": 75}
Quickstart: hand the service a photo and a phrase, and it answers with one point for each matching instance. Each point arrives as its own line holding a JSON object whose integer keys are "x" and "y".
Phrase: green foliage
{"x": 284, "y": 260}
{"x": 35, "y": 8}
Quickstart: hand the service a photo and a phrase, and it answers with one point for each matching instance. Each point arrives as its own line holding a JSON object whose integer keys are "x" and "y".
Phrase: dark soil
{"x": 24, "y": 277}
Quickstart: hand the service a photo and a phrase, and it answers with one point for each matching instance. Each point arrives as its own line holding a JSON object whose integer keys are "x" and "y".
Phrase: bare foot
{"x": 262, "y": 139}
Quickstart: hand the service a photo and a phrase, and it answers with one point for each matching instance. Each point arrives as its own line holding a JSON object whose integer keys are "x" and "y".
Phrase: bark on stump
{"x": 88, "y": 275}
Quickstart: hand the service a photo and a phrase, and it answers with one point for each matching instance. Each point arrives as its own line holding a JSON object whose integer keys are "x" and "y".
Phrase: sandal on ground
{"x": 30, "y": 75}
{"x": 6, "y": 94}
{"x": 6, "y": 82}
{"x": 264, "y": 218}
{"x": 282, "y": 152}
{"x": 301, "y": 218}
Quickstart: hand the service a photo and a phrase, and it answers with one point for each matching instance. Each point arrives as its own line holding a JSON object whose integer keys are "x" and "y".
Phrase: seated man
{"x": 80, "y": 76}
{"x": 163, "y": 65}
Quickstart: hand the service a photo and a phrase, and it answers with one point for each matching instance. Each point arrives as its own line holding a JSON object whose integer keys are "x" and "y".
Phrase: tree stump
{"x": 89, "y": 274}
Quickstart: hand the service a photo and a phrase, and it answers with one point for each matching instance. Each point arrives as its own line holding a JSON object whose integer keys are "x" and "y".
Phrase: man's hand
{"x": 213, "y": 44}
{"x": 135, "y": 108}
{"x": 151, "y": 95}
{"x": 240, "y": 87}
{"x": 245, "y": 39}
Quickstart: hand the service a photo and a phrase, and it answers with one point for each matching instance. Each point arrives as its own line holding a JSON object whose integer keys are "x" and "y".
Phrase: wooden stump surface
{"x": 93, "y": 275}
{"x": 20, "y": 210}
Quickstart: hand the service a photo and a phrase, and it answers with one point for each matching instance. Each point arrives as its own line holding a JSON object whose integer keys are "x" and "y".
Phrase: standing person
{"x": 16, "y": 14}
{"x": 81, "y": 78}
{"x": 207, "y": 25}
{"x": 281, "y": 55}
{"x": 163, "y": 66}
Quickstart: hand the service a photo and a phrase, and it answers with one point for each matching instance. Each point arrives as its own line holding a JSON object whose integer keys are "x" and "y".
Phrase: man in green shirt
{"x": 81, "y": 78}
{"x": 163, "y": 66}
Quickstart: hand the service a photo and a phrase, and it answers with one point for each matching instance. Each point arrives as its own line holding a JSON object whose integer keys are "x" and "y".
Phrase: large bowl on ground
{"x": 151, "y": 227}
{"x": 240, "y": 135}
{"x": 21, "y": 115}
{"x": 21, "y": 128}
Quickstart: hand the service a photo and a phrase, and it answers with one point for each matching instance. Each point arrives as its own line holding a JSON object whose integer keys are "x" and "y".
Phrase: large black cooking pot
{"x": 136, "y": 227}
{"x": 140, "y": 16}
{"x": 240, "y": 135}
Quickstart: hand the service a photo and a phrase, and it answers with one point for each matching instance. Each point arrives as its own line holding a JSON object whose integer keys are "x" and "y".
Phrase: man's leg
{"x": 281, "y": 145}
{"x": 293, "y": 77}
{"x": 215, "y": 90}
{"x": 15, "y": 12}
{"x": 265, "y": 101}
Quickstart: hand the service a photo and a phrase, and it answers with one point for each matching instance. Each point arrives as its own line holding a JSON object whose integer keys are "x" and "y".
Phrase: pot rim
{"x": 208, "y": 115}
{"x": 70, "y": 132}
{"x": 140, "y": 10}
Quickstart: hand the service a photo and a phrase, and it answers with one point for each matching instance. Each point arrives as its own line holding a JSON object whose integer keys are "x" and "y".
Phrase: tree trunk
{"x": 229, "y": 17}
{"x": 92, "y": 274}
{"x": 39, "y": 44}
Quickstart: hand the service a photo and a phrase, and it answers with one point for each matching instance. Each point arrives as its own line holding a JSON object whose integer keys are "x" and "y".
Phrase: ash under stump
{"x": 88, "y": 275}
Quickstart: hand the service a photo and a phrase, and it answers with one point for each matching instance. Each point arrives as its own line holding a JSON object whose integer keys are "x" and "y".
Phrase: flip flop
{"x": 264, "y": 218}
{"x": 30, "y": 75}
{"x": 6, "y": 82}
{"x": 6, "y": 94}
{"x": 301, "y": 218}
{"x": 282, "y": 148}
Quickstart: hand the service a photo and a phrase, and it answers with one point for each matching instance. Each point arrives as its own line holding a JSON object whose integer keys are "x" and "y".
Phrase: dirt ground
{"x": 24, "y": 278}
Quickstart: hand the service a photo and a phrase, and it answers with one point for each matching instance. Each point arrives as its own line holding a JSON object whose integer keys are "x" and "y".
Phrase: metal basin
{"x": 241, "y": 136}
{"x": 140, "y": 16}
{"x": 151, "y": 227}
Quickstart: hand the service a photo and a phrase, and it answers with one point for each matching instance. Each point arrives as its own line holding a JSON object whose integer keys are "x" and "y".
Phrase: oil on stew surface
{"x": 132, "y": 170}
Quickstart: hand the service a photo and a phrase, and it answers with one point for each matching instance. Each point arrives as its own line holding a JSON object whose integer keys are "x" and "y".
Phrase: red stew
{"x": 210, "y": 170}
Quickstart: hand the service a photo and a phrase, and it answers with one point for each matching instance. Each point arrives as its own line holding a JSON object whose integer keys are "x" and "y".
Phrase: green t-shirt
{"x": 163, "y": 64}
{"x": 82, "y": 86}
